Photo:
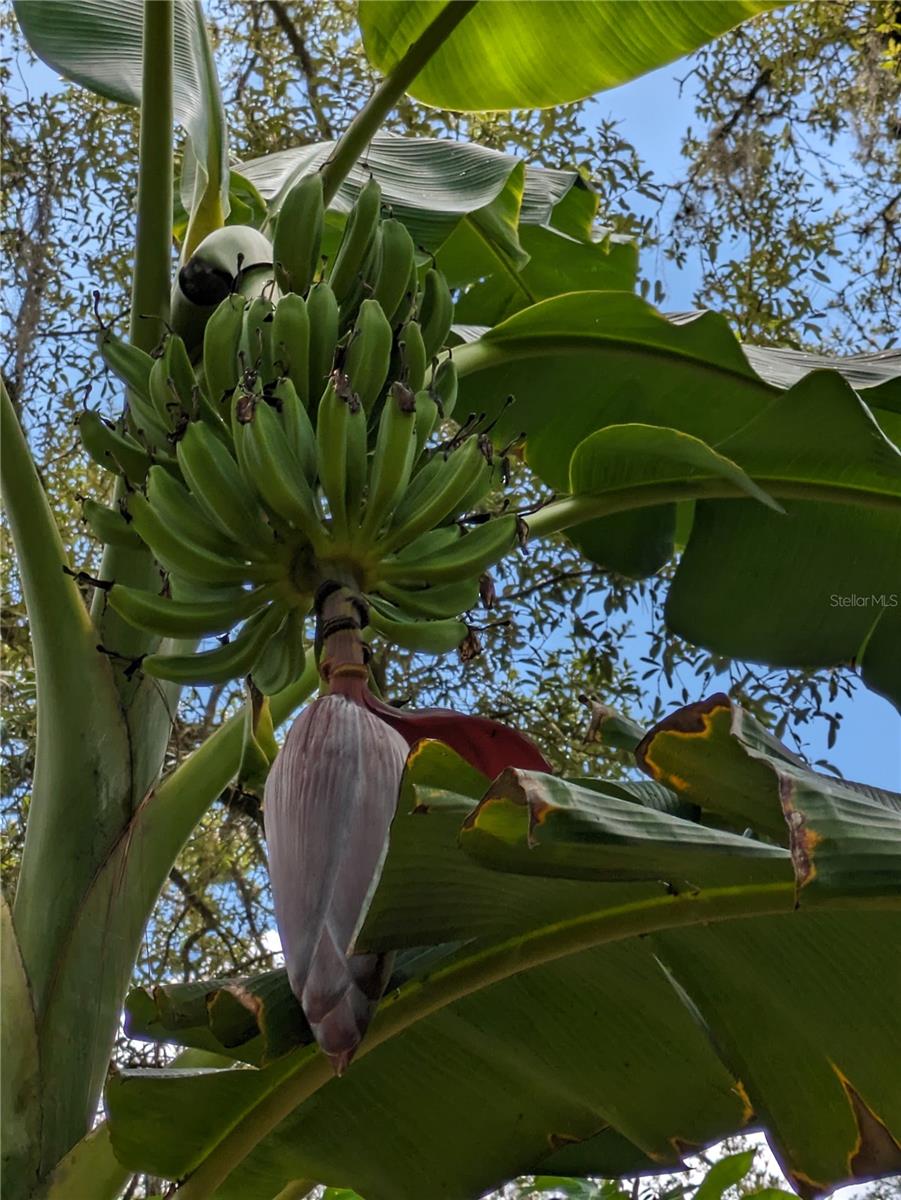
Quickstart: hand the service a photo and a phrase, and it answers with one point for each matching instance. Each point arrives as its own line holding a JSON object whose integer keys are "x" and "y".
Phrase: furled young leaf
{"x": 537, "y": 55}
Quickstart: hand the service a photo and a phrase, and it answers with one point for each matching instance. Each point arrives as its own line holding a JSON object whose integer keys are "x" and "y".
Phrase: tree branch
{"x": 302, "y": 54}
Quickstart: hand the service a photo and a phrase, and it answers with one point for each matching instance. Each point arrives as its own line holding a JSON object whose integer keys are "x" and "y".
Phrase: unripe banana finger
{"x": 109, "y": 526}
{"x": 227, "y": 662}
{"x": 437, "y": 600}
{"x": 291, "y": 343}
{"x": 392, "y": 461}
{"x": 369, "y": 353}
{"x": 427, "y": 637}
{"x": 278, "y": 477}
{"x": 186, "y": 558}
{"x": 299, "y": 433}
{"x": 322, "y": 308}
{"x": 413, "y": 356}
{"x": 359, "y": 233}
{"x": 180, "y": 619}
{"x": 436, "y": 311}
{"x": 221, "y": 341}
{"x": 255, "y": 349}
{"x": 283, "y": 659}
{"x": 219, "y": 488}
{"x": 298, "y": 235}
{"x": 396, "y": 260}
{"x": 468, "y": 556}
{"x": 115, "y": 451}
{"x": 444, "y": 387}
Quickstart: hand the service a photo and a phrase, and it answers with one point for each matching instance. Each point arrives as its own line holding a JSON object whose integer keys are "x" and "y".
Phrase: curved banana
{"x": 226, "y": 662}
{"x": 180, "y": 619}
{"x": 357, "y": 457}
{"x": 412, "y": 355}
{"x": 331, "y": 440}
{"x": 322, "y": 308}
{"x": 291, "y": 343}
{"x": 359, "y": 234}
{"x": 284, "y": 658}
{"x": 369, "y": 353}
{"x": 436, "y": 492}
{"x": 392, "y": 461}
{"x": 444, "y": 387}
{"x": 176, "y": 507}
{"x": 397, "y": 259}
{"x": 470, "y": 555}
{"x": 278, "y": 476}
{"x": 221, "y": 340}
{"x": 255, "y": 349}
{"x": 112, "y": 449}
{"x": 299, "y": 433}
{"x": 428, "y": 637}
{"x": 426, "y": 419}
{"x": 132, "y": 366}
{"x": 298, "y": 235}
{"x": 109, "y": 526}
{"x": 219, "y": 488}
{"x": 176, "y": 553}
{"x": 436, "y": 311}
{"x": 438, "y": 600}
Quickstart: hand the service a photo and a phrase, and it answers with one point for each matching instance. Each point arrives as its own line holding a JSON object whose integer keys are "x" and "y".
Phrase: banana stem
{"x": 368, "y": 120}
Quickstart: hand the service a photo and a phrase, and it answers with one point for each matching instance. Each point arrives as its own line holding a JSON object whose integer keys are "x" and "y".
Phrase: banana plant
{"x": 295, "y": 476}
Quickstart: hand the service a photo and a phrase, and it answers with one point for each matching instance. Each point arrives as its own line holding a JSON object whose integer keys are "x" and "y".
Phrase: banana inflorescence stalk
{"x": 287, "y": 431}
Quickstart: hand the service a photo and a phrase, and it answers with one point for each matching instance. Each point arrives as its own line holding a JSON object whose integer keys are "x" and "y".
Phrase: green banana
{"x": 175, "y": 506}
{"x": 323, "y": 312}
{"x": 426, "y": 419}
{"x": 439, "y": 600}
{"x": 278, "y": 476}
{"x": 109, "y": 526}
{"x": 179, "y": 372}
{"x": 283, "y": 659}
{"x": 291, "y": 343}
{"x": 255, "y": 349}
{"x": 219, "y": 488}
{"x": 356, "y": 244}
{"x": 187, "y": 590}
{"x": 436, "y": 311}
{"x": 444, "y": 387}
{"x": 369, "y": 353}
{"x": 437, "y": 491}
{"x": 412, "y": 355}
{"x": 174, "y": 618}
{"x": 392, "y": 461}
{"x": 357, "y": 447}
{"x": 176, "y": 553}
{"x": 259, "y": 746}
{"x": 331, "y": 440}
{"x": 132, "y": 366}
{"x": 298, "y": 235}
{"x": 470, "y": 555}
{"x": 112, "y": 449}
{"x": 226, "y": 662}
{"x": 299, "y": 434}
{"x": 428, "y": 637}
{"x": 221, "y": 341}
{"x": 427, "y": 545}
{"x": 397, "y": 258}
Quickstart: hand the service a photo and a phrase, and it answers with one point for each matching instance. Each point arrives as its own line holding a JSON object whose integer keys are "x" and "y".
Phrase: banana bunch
{"x": 299, "y": 442}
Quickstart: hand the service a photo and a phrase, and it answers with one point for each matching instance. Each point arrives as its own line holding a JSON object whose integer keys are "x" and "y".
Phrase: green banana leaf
{"x": 581, "y": 363}
{"x": 596, "y": 1000}
{"x": 482, "y": 213}
{"x": 512, "y": 55}
{"x": 99, "y": 47}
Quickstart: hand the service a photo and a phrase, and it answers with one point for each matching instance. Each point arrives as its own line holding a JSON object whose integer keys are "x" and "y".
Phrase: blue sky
{"x": 654, "y": 117}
